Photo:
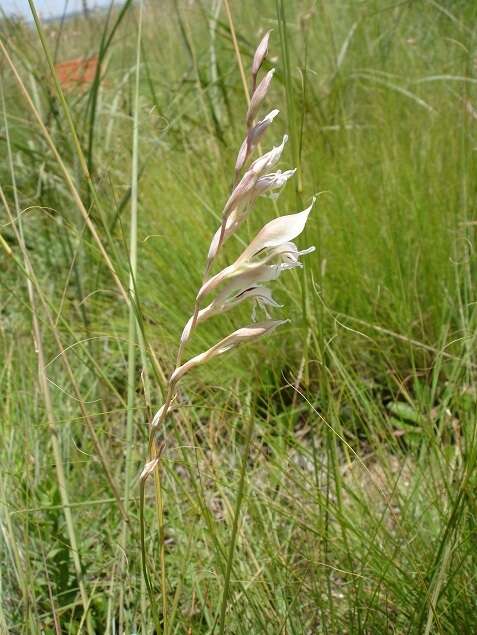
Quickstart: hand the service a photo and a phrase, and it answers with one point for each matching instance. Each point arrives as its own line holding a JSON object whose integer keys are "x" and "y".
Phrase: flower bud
{"x": 260, "y": 54}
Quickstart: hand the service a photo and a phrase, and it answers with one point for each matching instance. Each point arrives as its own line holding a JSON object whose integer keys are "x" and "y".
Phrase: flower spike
{"x": 271, "y": 251}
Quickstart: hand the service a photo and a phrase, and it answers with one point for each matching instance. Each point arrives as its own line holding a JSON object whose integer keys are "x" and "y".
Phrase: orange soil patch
{"x": 77, "y": 73}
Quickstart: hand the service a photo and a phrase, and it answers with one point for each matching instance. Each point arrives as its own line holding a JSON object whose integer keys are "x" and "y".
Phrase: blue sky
{"x": 47, "y": 8}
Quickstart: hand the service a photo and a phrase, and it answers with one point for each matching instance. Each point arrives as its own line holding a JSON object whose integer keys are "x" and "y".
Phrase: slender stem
{"x": 238, "y": 505}
{"x": 155, "y": 450}
{"x": 145, "y": 572}
{"x": 66, "y": 174}
{"x": 237, "y": 51}
{"x": 44, "y": 387}
{"x": 133, "y": 326}
{"x": 162, "y": 546}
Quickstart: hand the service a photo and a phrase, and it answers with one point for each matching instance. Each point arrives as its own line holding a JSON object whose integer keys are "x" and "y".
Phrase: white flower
{"x": 243, "y": 190}
{"x": 274, "y": 240}
{"x": 274, "y": 181}
{"x": 244, "y": 286}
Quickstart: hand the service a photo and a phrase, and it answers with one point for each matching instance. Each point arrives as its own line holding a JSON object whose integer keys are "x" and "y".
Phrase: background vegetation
{"x": 350, "y": 433}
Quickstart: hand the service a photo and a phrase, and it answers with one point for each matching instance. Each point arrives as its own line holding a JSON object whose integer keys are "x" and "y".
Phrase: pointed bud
{"x": 269, "y": 159}
{"x": 236, "y": 338}
{"x": 260, "y": 54}
{"x": 258, "y": 96}
{"x": 253, "y": 137}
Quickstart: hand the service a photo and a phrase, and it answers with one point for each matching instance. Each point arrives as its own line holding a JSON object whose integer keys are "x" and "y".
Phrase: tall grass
{"x": 357, "y": 508}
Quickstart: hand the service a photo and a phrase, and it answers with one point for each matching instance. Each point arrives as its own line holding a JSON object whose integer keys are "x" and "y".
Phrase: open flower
{"x": 273, "y": 240}
{"x": 244, "y": 286}
{"x": 243, "y": 192}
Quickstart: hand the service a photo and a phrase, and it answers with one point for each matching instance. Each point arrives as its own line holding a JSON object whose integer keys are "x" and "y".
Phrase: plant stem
{"x": 132, "y": 306}
{"x": 237, "y": 51}
{"x": 44, "y": 388}
{"x": 238, "y": 506}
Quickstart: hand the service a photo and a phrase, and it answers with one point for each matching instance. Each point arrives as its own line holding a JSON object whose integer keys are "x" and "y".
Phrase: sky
{"x": 47, "y": 8}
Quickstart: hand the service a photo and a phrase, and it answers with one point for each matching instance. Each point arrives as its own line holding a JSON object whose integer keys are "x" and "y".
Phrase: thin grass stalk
{"x": 238, "y": 506}
{"x": 45, "y": 391}
{"x": 133, "y": 326}
{"x": 237, "y": 51}
{"x": 209, "y": 114}
{"x": 156, "y": 454}
{"x": 159, "y": 497}
{"x": 66, "y": 174}
{"x": 69, "y": 119}
{"x": 30, "y": 274}
{"x": 58, "y": 88}
{"x": 106, "y": 40}
{"x": 44, "y": 386}
{"x": 79, "y": 203}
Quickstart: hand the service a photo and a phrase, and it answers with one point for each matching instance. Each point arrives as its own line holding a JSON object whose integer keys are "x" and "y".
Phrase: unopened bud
{"x": 260, "y": 54}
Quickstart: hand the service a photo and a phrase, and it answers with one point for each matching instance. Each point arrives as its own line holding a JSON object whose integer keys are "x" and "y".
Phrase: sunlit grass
{"x": 358, "y": 507}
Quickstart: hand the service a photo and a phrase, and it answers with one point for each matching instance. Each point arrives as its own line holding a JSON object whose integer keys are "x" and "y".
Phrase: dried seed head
{"x": 149, "y": 468}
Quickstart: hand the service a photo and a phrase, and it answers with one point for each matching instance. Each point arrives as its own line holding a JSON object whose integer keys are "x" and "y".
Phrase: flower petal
{"x": 248, "y": 277}
{"x": 243, "y": 335}
{"x": 273, "y": 235}
{"x": 278, "y": 231}
{"x": 289, "y": 252}
{"x": 264, "y": 294}
{"x": 269, "y": 159}
{"x": 273, "y": 181}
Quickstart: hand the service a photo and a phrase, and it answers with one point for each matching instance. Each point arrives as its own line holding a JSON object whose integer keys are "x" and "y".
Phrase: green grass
{"x": 320, "y": 481}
